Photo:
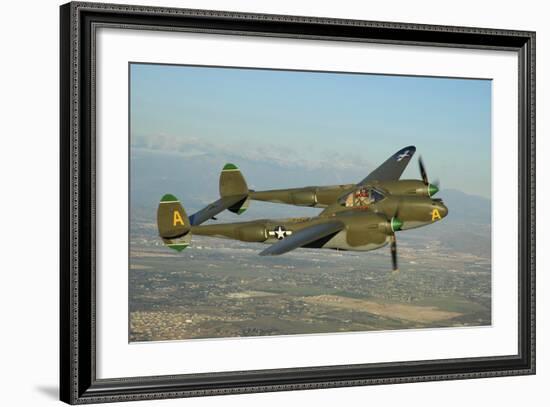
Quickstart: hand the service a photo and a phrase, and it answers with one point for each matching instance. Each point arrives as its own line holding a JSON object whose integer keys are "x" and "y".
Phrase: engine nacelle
{"x": 252, "y": 233}
{"x": 409, "y": 187}
{"x": 306, "y": 197}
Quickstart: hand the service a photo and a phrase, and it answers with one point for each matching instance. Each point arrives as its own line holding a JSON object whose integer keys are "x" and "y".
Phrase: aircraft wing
{"x": 392, "y": 168}
{"x": 303, "y": 237}
{"x": 214, "y": 208}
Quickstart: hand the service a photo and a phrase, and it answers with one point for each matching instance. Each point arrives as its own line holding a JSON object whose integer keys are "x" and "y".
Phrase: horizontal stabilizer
{"x": 215, "y": 207}
{"x": 303, "y": 237}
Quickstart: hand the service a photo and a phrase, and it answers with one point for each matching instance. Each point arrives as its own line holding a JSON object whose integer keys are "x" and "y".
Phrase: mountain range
{"x": 193, "y": 178}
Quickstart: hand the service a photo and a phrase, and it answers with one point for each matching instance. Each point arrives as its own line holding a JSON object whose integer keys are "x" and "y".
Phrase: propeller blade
{"x": 423, "y": 171}
{"x": 393, "y": 247}
{"x": 433, "y": 188}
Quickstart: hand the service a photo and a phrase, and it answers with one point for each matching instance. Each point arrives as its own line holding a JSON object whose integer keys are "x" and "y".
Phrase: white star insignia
{"x": 404, "y": 155}
{"x": 280, "y": 232}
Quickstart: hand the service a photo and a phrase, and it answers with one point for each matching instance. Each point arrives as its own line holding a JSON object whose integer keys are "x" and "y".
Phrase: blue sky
{"x": 318, "y": 118}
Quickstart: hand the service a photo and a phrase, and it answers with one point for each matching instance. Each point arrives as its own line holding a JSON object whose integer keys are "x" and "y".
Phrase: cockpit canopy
{"x": 362, "y": 197}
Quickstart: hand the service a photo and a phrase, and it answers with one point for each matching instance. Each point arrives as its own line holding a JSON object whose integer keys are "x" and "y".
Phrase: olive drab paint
{"x": 360, "y": 217}
{"x": 172, "y": 222}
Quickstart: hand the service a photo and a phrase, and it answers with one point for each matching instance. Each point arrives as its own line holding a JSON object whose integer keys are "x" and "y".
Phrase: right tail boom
{"x": 233, "y": 196}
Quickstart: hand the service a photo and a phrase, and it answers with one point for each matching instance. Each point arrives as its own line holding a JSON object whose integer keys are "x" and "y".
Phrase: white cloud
{"x": 284, "y": 156}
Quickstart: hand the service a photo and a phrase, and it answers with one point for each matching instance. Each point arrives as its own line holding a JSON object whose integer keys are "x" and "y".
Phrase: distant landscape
{"x": 221, "y": 288}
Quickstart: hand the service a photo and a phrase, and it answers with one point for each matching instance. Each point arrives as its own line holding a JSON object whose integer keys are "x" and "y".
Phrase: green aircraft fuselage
{"x": 321, "y": 197}
{"x": 366, "y": 226}
{"x": 361, "y": 217}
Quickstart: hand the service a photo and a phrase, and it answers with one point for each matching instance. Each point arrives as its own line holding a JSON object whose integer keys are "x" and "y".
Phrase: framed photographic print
{"x": 255, "y": 203}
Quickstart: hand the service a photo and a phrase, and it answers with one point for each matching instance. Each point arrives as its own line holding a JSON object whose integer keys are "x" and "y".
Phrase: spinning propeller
{"x": 395, "y": 225}
{"x": 393, "y": 249}
{"x": 432, "y": 188}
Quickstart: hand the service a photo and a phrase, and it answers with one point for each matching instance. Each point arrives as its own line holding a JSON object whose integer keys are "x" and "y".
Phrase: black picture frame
{"x": 78, "y": 382}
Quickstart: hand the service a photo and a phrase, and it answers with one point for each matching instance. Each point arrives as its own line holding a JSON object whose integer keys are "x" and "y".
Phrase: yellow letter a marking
{"x": 435, "y": 215}
{"x": 177, "y": 219}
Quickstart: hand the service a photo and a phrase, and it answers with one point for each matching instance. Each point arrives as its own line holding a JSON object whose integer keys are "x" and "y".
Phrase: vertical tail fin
{"x": 232, "y": 183}
{"x": 173, "y": 224}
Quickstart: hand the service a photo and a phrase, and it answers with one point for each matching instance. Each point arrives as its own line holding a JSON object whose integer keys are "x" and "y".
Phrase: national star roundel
{"x": 280, "y": 232}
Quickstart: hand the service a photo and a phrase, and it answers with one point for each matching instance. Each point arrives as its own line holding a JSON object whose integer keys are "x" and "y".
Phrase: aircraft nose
{"x": 443, "y": 211}
{"x": 439, "y": 210}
